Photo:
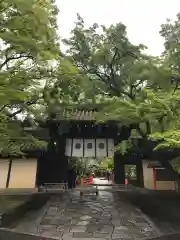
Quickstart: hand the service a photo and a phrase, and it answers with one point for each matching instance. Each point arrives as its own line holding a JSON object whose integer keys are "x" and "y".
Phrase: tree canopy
{"x": 101, "y": 65}
{"x": 140, "y": 91}
{"x": 28, "y": 44}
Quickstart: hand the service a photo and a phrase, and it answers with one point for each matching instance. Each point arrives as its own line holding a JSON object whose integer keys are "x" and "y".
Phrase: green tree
{"x": 107, "y": 164}
{"x": 104, "y": 57}
{"x": 115, "y": 67}
{"x": 170, "y": 33}
{"x": 170, "y": 137}
{"x": 28, "y": 47}
{"x": 136, "y": 89}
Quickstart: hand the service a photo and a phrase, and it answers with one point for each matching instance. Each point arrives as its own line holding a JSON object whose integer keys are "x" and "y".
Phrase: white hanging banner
{"x": 89, "y": 148}
{"x": 92, "y": 147}
{"x": 77, "y": 148}
{"x": 110, "y": 147}
{"x": 101, "y": 147}
{"x": 68, "y": 147}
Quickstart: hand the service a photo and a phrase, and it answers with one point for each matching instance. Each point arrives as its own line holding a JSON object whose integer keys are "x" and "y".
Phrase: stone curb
{"x": 174, "y": 236}
{"x": 16, "y": 213}
{"x": 6, "y": 234}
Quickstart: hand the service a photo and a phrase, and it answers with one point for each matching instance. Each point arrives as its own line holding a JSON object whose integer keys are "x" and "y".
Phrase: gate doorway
{"x": 131, "y": 174}
{"x": 88, "y": 154}
{"x": 98, "y": 168}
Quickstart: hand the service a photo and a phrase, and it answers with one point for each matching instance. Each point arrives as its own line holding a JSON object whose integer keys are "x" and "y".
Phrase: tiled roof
{"x": 38, "y": 132}
{"x": 28, "y": 145}
{"x": 76, "y": 114}
{"x": 154, "y": 165}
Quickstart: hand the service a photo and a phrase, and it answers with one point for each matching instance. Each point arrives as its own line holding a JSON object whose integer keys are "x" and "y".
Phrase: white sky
{"x": 143, "y": 18}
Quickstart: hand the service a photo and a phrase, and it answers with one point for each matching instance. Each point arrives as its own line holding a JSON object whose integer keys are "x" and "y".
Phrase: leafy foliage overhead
{"x": 103, "y": 54}
{"x": 139, "y": 91}
{"x": 28, "y": 45}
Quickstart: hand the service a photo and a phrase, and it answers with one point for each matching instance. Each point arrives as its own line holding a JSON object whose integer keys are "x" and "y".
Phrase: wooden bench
{"x": 53, "y": 187}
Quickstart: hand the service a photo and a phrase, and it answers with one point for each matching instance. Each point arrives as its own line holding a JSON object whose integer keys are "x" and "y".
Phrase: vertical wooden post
{"x": 107, "y": 147}
{"x": 119, "y": 169}
{"x": 37, "y": 172}
{"x": 139, "y": 172}
{"x": 154, "y": 178}
{"x": 95, "y": 150}
{"x": 71, "y": 146}
{"x": 9, "y": 172}
{"x": 83, "y": 147}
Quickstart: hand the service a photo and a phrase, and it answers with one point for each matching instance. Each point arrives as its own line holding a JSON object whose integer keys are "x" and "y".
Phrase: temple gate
{"x": 81, "y": 136}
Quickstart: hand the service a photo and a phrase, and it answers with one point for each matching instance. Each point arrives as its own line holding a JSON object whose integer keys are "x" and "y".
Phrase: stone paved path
{"x": 97, "y": 218}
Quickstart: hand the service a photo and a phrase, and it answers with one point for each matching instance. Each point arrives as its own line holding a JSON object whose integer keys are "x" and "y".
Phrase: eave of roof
{"x": 76, "y": 114}
{"x": 83, "y": 112}
{"x": 154, "y": 165}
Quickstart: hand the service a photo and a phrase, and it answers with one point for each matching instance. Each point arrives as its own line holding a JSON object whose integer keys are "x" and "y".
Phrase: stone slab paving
{"x": 91, "y": 217}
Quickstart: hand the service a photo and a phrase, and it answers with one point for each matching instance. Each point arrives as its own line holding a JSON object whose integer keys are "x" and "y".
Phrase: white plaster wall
{"x": 148, "y": 175}
{"x": 168, "y": 185}
{"x": 23, "y": 173}
{"x": 4, "y": 166}
{"x": 149, "y": 179}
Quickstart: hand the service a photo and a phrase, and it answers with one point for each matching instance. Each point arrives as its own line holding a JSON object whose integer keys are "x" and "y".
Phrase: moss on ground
{"x": 8, "y": 202}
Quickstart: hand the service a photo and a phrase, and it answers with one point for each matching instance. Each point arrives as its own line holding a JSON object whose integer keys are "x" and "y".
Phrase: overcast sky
{"x": 143, "y": 18}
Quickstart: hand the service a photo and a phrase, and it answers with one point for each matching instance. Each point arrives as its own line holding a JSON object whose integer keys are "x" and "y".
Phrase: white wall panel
{"x": 110, "y": 147}
{"x": 101, "y": 152}
{"x": 148, "y": 175}
{"x": 4, "y": 166}
{"x": 89, "y": 152}
{"x": 68, "y": 147}
{"x": 23, "y": 173}
{"x": 77, "y": 152}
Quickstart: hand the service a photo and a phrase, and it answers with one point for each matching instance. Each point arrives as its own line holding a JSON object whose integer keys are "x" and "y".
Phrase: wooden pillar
{"x": 140, "y": 176}
{"x": 62, "y": 159}
{"x": 52, "y": 165}
{"x": 9, "y": 173}
{"x": 119, "y": 169}
{"x": 154, "y": 178}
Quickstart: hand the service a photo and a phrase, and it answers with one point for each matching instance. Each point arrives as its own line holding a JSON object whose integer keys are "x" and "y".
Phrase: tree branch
{"x": 148, "y": 127}
{"x": 141, "y": 133}
{"x": 161, "y": 122}
{"x": 112, "y": 77}
{"x": 112, "y": 62}
{"x": 8, "y": 59}
{"x": 109, "y": 80}
{"x": 28, "y": 103}
{"x": 136, "y": 85}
